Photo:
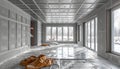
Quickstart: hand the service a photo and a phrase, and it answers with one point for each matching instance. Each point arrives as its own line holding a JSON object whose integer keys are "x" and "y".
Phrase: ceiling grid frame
{"x": 87, "y": 10}
{"x": 59, "y": 11}
{"x": 31, "y": 10}
{"x": 39, "y": 7}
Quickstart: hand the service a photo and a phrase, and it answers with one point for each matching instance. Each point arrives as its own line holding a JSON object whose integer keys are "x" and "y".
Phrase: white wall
{"x": 14, "y": 30}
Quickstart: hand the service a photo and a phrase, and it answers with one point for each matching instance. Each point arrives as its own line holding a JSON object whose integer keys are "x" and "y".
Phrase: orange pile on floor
{"x": 34, "y": 62}
{"x": 44, "y": 45}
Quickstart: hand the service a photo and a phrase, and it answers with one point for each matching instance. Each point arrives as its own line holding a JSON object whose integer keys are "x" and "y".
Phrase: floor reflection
{"x": 66, "y": 57}
{"x": 65, "y": 52}
{"x": 70, "y": 52}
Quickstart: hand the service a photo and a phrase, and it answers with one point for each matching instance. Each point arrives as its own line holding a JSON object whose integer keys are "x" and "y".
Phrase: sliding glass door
{"x": 86, "y": 34}
{"x": 91, "y": 34}
{"x": 89, "y": 41}
{"x": 96, "y": 43}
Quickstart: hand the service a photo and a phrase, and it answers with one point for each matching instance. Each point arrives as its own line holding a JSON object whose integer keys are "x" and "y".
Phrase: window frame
{"x": 61, "y": 35}
{"x": 80, "y": 33}
{"x": 88, "y": 29}
{"x": 112, "y": 30}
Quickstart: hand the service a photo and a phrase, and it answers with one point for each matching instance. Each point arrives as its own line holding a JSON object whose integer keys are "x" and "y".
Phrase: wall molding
{"x": 13, "y": 20}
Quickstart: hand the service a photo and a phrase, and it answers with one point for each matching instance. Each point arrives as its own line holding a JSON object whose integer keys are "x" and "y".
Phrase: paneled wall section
{"x": 14, "y": 27}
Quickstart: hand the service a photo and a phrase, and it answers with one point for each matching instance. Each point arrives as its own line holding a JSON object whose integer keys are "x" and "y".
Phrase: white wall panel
{"x": 23, "y": 35}
{"x": 3, "y": 34}
{"x": 4, "y": 11}
{"x": 13, "y": 15}
{"x": 10, "y": 30}
{"x": 12, "y": 35}
{"x": 18, "y": 35}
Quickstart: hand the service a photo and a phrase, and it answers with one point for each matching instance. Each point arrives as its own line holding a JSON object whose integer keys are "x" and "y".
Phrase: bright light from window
{"x": 59, "y": 34}
{"x": 116, "y": 30}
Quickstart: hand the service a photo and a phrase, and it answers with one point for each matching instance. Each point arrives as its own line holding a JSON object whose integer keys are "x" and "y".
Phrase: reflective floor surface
{"x": 66, "y": 57}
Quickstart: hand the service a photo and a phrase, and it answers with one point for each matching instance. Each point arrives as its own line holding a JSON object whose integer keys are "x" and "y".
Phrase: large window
{"x": 80, "y": 33}
{"x": 86, "y": 34}
{"x": 116, "y": 30}
{"x": 60, "y": 33}
{"x": 91, "y": 34}
{"x": 65, "y": 34}
{"x": 70, "y": 33}
{"x": 54, "y": 33}
{"x": 48, "y": 33}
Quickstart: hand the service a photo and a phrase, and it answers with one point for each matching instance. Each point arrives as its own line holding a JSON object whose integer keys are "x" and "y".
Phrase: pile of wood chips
{"x": 39, "y": 62}
{"x": 44, "y": 45}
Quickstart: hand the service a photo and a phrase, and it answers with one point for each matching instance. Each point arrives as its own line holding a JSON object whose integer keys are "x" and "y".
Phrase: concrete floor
{"x": 67, "y": 57}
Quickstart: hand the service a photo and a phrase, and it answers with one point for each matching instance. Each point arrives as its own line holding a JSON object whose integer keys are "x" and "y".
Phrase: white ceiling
{"x": 58, "y": 11}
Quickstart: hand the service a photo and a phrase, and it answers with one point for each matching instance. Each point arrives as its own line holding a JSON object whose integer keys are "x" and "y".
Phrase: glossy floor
{"x": 67, "y": 57}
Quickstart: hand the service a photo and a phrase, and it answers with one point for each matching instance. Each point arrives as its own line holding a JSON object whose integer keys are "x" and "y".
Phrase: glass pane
{"x": 59, "y": 52}
{"x": 48, "y": 33}
{"x": 65, "y": 52}
{"x": 65, "y": 33}
{"x": 92, "y": 34}
{"x": 89, "y": 34}
{"x": 71, "y": 34}
{"x": 116, "y": 31}
{"x": 53, "y": 33}
{"x": 59, "y": 33}
{"x": 86, "y": 34}
{"x": 80, "y": 33}
{"x": 71, "y": 52}
{"x": 96, "y": 32}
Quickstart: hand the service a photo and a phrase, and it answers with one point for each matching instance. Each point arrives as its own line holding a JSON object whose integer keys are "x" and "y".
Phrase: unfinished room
{"x": 59, "y": 34}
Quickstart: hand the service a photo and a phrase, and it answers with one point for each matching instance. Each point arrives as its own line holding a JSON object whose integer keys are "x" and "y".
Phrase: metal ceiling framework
{"x": 87, "y": 11}
{"x": 58, "y": 11}
{"x": 38, "y": 7}
{"x": 31, "y": 10}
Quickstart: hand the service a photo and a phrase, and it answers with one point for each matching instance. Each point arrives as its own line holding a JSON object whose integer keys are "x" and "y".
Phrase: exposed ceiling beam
{"x": 38, "y": 7}
{"x": 87, "y": 11}
{"x": 59, "y": 7}
{"x": 32, "y": 11}
{"x": 80, "y": 7}
{"x": 70, "y": 5}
